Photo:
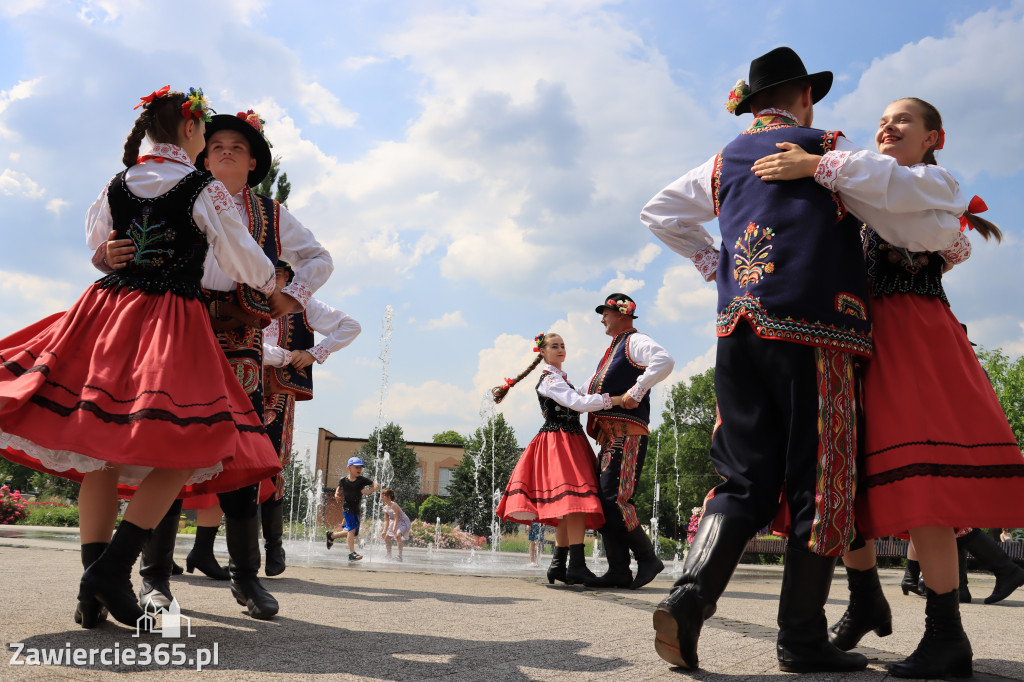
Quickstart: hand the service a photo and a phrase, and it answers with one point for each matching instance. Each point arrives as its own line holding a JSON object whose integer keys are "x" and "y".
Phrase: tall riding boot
{"x": 244, "y": 554}
{"x": 648, "y": 564}
{"x": 713, "y": 556}
{"x": 944, "y": 652}
{"x": 557, "y": 569}
{"x": 1009, "y": 576}
{"x": 617, "y": 552}
{"x": 90, "y": 612}
{"x": 912, "y": 578}
{"x": 109, "y": 578}
{"x": 158, "y": 561}
{"x": 868, "y": 610}
{"x": 201, "y": 556}
{"x": 961, "y": 564}
{"x": 803, "y": 645}
{"x": 577, "y": 573}
{"x": 272, "y": 516}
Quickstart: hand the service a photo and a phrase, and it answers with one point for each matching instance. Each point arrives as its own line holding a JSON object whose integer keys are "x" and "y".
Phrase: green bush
{"x": 434, "y": 508}
{"x": 410, "y": 510}
{"x": 667, "y": 547}
{"x": 50, "y": 514}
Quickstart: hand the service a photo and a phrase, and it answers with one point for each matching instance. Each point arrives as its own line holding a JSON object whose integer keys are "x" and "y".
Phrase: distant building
{"x": 437, "y": 463}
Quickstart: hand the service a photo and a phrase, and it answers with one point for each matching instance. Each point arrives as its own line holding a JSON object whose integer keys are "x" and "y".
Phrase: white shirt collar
{"x": 775, "y": 111}
{"x": 171, "y": 152}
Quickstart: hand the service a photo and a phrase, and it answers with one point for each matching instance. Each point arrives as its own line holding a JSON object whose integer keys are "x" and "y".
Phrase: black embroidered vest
{"x": 557, "y": 417}
{"x": 616, "y": 374}
{"x": 263, "y": 214}
{"x": 791, "y": 259}
{"x": 893, "y": 270}
{"x": 169, "y": 247}
{"x": 296, "y": 334}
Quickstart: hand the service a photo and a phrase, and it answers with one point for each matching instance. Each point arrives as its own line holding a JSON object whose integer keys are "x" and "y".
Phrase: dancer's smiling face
{"x": 553, "y": 351}
{"x": 902, "y": 133}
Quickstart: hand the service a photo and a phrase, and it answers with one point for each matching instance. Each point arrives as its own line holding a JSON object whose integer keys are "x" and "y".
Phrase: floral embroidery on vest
{"x": 146, "y": 238}
{"x": 752, "y": 262}
{"x": 851, "y": 305}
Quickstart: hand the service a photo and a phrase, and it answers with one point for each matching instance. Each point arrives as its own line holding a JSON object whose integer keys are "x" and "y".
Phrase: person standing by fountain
{"x": 555, "y": 480}
{"x": 632, "y": 365}
{"x": 397, "y": 525}
{"x": 351, "y": 490}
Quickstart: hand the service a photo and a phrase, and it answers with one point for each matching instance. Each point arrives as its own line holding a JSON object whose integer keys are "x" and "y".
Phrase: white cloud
{"x": 21, "y": 90}
{"x": 446, "y": 321}
{"x": 13, "y": 183}
{"x": 28, "y": 298}
{"x": 684, "y": 295}
{"x": 322, "y": 106}
{"x": 55, "y": 206}
{"x": 639, "y": 260}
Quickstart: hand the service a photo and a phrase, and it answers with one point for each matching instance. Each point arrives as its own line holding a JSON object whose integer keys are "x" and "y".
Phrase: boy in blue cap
{"x": 351, "y": 489}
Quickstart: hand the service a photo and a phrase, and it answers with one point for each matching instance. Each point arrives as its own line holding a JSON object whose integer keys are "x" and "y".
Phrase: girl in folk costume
{"x": 115, "y": 391}
{"x": 938, "y": 451}
{"x": 555, "y": 480}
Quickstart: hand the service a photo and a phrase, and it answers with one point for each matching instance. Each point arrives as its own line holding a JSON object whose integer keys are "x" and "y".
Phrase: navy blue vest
{"x": 169, "y": 247}
{"x": 791, "y": 260}
{"x": 296, "y": 334}
{"x": 616, "y": 374}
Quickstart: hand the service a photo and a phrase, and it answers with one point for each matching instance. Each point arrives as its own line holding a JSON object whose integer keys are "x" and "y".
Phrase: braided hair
{"x": 499, "y": 392}
{"x": 159, "y": 120}
{"x": 932, "y": 120}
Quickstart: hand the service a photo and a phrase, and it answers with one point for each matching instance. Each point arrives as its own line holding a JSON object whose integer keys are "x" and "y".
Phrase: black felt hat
{"x": 250, "y": 125}
{"x": 782, "y": 65}
{"x": 617, "y": 302}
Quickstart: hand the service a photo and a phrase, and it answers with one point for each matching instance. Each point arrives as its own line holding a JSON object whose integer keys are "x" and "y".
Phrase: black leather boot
{"x": 961, "y": 564}
{"x": 803, "y": 645}
{"x": 556, "y": 571}
{"x": 243, "y": 565}
{"x": 944, "y": 652}
{"x": 577, "y": 572}
{"x": 648, "y": 564}
{"x": 109, "y": 578}
{"x": 158, "y": 562}
{"x": 1009, "y": 576}
{"x": 713, "y": 556}
{"x": 617, "y": 552}
{"x": 868, "y": 610}
{"x": 912, "y": 578}
{"x": 272, "y": 517}
{"x": 201, "y": 556}
{"x": 90, "y": 613}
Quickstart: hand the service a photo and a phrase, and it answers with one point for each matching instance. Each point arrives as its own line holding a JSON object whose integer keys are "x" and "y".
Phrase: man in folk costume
{"x": 238, "y": 154}
{"x": 289, "y": 352}
{"x": 792, "y": 317}
{"x": 631, "y": 366}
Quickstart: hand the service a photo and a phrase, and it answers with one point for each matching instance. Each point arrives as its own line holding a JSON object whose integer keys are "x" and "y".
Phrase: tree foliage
{"x": 1007, "y": 377}
{"x": 45, "y": 486}
{"x": 491, "y": 454}
{"x": 680, "y": 444}
{"x": 450, "y": 438}
{"x": 434, "y": 508}
{"x": 403, "y": 476}
{"x": 284, "y": 188}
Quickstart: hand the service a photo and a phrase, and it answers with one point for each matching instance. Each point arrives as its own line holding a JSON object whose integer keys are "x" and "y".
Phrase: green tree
{"x": 404, "y": 478}
{"x": 434, "y": 508}
{"x": 284, "y": 188}
{"x": 491, "y": 454}
{"x": 1007, "y": 377}
{"x": 679, "y": 450}
{"x": 449, "y": 438}
{"x": 22, "y": 478}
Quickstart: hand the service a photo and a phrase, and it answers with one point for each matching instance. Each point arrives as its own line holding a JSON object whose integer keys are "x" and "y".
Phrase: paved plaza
{"x": 473, "y": 621}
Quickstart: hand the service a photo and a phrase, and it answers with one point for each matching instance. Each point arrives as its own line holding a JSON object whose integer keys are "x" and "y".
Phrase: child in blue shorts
{"x": 350, "y": 490}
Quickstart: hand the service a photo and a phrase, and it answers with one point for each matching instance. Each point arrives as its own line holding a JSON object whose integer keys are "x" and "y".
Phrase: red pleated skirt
{"x": 938, "y": 450}
{"x": 556, "y": 475}
{"x": 133, "y": 379}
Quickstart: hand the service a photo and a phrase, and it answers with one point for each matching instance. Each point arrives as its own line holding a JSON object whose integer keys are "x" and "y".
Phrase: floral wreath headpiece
{"x": 738, "y": 93}
{"x": 624, "y": 307}
{"x": 195, "y": 106}
{"x": 256, "y": 121}
{"x": 538, "y": 341}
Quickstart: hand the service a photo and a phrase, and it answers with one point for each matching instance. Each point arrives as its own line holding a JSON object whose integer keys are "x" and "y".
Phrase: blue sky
{"x": 481, "y": 166}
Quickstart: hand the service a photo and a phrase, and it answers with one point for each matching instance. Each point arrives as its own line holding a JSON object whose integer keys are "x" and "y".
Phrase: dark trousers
{"x": 771, "y": 399}
{"x": 622, "y": 461}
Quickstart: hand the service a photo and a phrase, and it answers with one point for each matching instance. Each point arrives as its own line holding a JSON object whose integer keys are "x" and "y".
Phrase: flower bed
{"x": 450, "y": 537}
{"x": 12, "y": 505}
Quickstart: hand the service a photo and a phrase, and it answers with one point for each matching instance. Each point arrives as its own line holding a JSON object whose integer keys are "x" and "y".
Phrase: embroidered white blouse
{"x": 338, "y": 329}
{"x": 556, "y": 386}
{"x": 646, "y": 352}
{"x": 231, "y": 246}
{"x": 908, "y": 207}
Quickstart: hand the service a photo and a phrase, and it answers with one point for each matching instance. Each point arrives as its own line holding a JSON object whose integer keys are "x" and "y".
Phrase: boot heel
{"x": 884, "y": 630}
{"x": 191, "y": 567}
{"x": 903, "y": 586}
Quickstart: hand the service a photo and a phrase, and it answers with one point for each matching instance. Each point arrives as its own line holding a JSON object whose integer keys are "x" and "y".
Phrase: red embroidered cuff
{"x": 637, "y": 393}
{"x": 706, "y": 262}
{"x": 827, "y": 172}
{"x": 958, "y": 251}
{"x": 319, "y": 352}
{"x": 268, "y": 287}
{"x": 607, "y": 401}
{"x": 287, "y": 358}
{"x": 299, "y": 291}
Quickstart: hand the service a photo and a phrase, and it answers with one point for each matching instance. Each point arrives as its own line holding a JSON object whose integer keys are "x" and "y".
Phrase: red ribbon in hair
{"x": 509, "y": 383}
{"x": 152, "y": 96}
{"x": 977, "y": 205}
{"x": 942, "y": 139}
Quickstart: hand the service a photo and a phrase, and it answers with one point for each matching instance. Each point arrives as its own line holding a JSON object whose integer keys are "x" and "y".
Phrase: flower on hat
{"x": 624, "y": 307}
{"x": 256, "y": 121}
{"x": 195, "y": 106}
{"x": 736, "y": 95}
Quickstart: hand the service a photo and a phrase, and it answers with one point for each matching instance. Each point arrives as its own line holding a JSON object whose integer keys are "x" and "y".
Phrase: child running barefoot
{"x": 351, "y": 490}
{"x": 397, "y": 525}
{"x": 120, "y": 390}
{"x": 555, "y": 480}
